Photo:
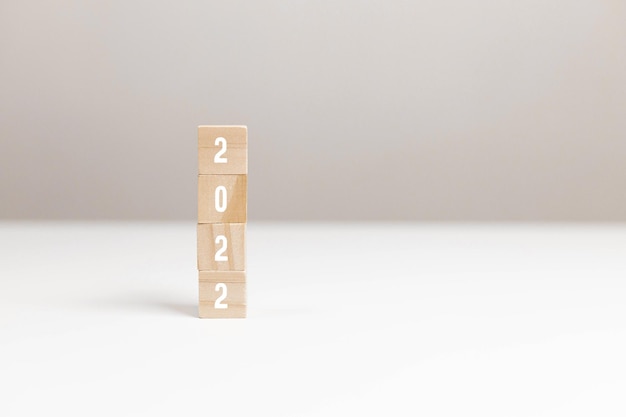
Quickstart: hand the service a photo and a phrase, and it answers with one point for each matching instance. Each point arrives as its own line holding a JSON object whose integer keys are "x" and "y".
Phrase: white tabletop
{"x": 99, "y": 319}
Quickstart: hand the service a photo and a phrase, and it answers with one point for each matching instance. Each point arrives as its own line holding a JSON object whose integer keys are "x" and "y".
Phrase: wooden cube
{"x": 222, "y": 150}
{"x": 222, "y": 294}
{"x": 222, "y": 198}
{"x": 222, "y": 247}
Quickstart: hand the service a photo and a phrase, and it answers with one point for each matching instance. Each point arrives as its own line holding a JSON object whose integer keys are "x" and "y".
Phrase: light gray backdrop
{"x": 391, "y": 110}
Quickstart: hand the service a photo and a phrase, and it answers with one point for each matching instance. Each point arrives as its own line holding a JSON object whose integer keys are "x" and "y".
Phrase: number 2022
{"x": 221, "y": 202}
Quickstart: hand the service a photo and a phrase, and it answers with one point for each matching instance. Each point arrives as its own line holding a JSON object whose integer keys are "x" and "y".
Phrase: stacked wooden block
{"x": 222, "y": 216}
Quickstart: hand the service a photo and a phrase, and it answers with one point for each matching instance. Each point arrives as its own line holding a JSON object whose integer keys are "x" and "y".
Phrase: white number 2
{"x": 218, "y": 302}
{"x": 219, "y": 255}
{"x": 220, "y": 199}
{"x": 219, "y": 159}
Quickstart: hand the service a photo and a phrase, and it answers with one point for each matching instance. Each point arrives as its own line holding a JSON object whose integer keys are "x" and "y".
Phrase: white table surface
{"x": 99, "y": 319}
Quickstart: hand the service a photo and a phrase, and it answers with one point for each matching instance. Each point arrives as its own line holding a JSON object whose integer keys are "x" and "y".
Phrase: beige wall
{"x": 446, "y": 110}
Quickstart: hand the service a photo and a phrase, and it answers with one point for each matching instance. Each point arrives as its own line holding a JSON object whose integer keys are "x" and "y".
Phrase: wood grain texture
{"x": 236, "y": 155}
{"x": 233, "y": 235}
{"x": 206, "y": 311}
{"x": 237, "y": 199}
{"x": 235, "y": 283}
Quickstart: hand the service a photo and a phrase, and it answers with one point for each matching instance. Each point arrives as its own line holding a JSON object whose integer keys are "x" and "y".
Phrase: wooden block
{"x": 222, "y": 198}
{"x": 222, "y": 150}
{"x": 222, "y": 294}
{"x": 205, "y": 311}
{"x": 222, "y": 247}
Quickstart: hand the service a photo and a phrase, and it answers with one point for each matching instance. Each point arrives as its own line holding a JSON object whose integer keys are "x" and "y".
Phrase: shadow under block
{"x": 222, "y": 247}
{"x": 222, "y": 198}
{"x": 222, "y": 294}
{"x": 222, "y": 150}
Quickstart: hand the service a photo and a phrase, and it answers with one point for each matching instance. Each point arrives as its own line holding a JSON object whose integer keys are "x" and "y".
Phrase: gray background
{"x": 364, "y": 110}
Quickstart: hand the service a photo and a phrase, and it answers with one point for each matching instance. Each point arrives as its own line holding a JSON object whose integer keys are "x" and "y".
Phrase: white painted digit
{"x": 218, "y": 302}
{"x": 219, "y": 255}
{"x": 220, "y": 199}
{"x": 219, "y": 159}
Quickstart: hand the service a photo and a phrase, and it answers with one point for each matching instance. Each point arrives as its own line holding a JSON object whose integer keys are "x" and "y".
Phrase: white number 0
{"x": 220, "y": 199}
{"x": 219, "y": 255}
{"x": 219, "y": 159}
{"x": 218, "y": 302}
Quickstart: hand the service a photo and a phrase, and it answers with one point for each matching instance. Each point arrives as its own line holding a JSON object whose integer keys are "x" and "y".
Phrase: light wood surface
{"x": 213, "y": 238}
{"x": 206, "y": 311}
{"x": 235, "y": 142}
{"x": 222, "y": 216}
{"x": 222, "y": 288}
{"x": 236, "y": 293}
{"x": 236, "y": 188}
